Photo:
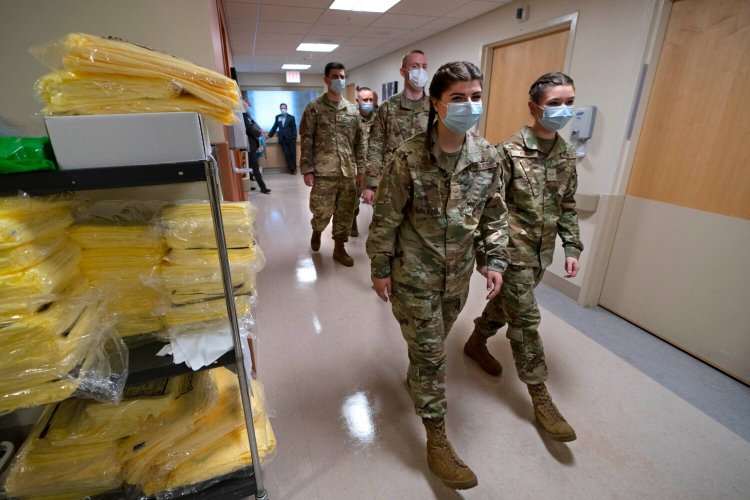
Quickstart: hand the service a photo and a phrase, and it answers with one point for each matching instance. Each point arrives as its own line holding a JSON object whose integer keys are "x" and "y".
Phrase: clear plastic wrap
{"x": 120, "y": 246}
{"x": 20, "y": 229}
{"x": 189, "y": 224}
{"x": 198, "y": 396}
{"x": 41, "y": 469}
{"x": 190, "y": 284}
{"x": 45, "y": 278}
{"x": 167, "y": 439}
{"x": 209, "y": 310}
{"x": 18, "y": 258}
{"x": 93, "y": 56}
{"x": 221, "y": 448}
{"x": 251, "y": 258}
{"x": 70, "y": 350}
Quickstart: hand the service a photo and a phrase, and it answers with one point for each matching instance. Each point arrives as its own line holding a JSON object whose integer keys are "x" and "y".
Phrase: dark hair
{"x": 445, "y": 76}
{"x": 415, "y": 51}
{"x": 333, "y": 65}
{"x": 554, "y": 79}
{"x": 282, "y": 104}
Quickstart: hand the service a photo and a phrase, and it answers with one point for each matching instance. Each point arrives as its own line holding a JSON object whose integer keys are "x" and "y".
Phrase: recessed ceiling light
{"x": 317, "y": 47}
{"x": 295, "y": 66}
{"x": 364, "y": 5}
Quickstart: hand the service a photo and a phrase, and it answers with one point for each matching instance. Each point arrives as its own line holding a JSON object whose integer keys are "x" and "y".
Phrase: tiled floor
{"x": 332, "y": 360}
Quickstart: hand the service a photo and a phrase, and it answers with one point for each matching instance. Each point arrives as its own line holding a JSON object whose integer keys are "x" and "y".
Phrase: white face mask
{"x": 246, "y": 107}
{"x": 418, "y": 77}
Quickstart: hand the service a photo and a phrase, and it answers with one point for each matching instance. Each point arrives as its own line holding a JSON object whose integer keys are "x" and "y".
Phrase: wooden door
{"x": 680, "y": 266}
{"x": 515, "y": 66}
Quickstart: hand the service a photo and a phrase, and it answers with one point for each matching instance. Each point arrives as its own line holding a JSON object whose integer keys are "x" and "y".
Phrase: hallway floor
{"x": 332, "y": 360}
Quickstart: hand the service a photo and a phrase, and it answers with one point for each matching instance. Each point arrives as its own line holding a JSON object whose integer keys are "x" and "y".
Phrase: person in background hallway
{"x": 366, "y": 105}
{"x": 332, "y": 161}
{"x": 400, "y": 117}
{"x": 253, "y": 131}
{"x": 443, "y": 185}
{"x": 285, "y": 124}
{"x": 540, "y": 185}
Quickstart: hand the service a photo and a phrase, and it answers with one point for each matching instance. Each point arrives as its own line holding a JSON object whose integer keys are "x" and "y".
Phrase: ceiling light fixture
{"x": 295, "y": 66}
{"x": 317, "y": 47}
{"x": 364, "y": 5}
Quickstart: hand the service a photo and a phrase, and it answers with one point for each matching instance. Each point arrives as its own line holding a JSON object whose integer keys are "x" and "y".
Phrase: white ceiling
{"x": 264, "y": 34}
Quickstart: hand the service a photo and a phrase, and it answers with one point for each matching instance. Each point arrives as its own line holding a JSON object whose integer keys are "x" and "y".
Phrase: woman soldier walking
{"x": 438, "y": 199}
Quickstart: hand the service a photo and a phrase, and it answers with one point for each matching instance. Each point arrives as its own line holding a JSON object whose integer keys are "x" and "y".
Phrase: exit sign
{"x": 292, "y": 77}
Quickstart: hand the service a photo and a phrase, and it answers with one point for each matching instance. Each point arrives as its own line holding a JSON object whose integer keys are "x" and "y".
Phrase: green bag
{"x": 25, "y": 154}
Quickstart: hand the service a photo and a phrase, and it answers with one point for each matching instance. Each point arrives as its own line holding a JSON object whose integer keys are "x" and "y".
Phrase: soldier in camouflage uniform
{"x": 441, "y": 195}
{"x": 332, "y": 161}
{"x": 366, "y": 103}
{"x": 540, "y": 185}
{"x": 400, "y": 117}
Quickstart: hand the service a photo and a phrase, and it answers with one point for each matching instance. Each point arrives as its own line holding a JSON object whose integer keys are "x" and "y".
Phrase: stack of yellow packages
{"x": 165, "y": 436}
{"x": 95, "y": 75}
{"x": 191, "y": 275}
{"x": 120, "y": 250}
{"x": 53, "y": 334}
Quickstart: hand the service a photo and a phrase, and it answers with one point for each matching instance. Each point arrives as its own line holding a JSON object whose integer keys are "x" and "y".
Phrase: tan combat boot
{"x": 315, "y": 241}
{"x": 548, "y": 415}
{"x": 354, "y": 232}
{"x": 443, "y": 460}
{"x": 476, "y": 349}
{"x": 340, "y": 255}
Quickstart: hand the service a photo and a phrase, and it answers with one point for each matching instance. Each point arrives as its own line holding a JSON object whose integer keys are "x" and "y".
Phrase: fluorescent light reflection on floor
{"x": 306, "y": 271}
{"x": 358, "y": 412}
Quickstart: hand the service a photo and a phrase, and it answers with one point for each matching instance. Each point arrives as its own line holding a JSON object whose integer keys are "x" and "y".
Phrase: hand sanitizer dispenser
{"x": 582, "y": 128}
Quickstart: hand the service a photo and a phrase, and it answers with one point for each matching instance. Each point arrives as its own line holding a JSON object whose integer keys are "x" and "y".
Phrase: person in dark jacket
{"x": 284, "y": 123}
{"x": 253, "y": 131}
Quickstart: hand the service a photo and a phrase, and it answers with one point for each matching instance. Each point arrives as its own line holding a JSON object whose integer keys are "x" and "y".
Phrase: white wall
{"x": 180, "y": 27}
{"x": 278, "y": 80}
{"x": 609, "y": 46}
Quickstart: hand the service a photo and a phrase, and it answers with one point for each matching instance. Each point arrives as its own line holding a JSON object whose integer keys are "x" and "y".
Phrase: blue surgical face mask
{"x": 338, "y": 85}
{"x": 461, "y": 116}
{"x": 556, "y": 117}
{"x": 367, "y": 107}
{"x": 283, "y": 111}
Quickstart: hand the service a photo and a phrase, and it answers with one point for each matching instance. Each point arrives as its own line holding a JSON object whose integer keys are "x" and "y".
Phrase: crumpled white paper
{"x": 197, "y": 350}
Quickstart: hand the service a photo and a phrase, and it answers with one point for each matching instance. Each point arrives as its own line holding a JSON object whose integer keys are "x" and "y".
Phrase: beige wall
{"x": 610, "y": 42}
{"x": 180, "y": 27}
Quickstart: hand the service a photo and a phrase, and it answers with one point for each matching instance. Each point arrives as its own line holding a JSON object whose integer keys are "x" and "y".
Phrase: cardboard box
{"x": 94, "y": 141}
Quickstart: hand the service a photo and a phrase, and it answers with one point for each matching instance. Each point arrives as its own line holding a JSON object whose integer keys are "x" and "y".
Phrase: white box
{"x": 94, "y": 141}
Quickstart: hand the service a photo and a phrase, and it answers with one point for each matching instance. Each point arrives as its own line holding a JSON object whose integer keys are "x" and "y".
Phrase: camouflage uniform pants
{"x": 426, "y": 317}
{"x": 333, "y": 196}
{"x": 516, "y": 305}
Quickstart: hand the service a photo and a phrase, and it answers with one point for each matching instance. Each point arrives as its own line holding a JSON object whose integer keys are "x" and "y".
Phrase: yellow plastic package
{"x": 80, "y": 53}
{"x": 189, "y": 224}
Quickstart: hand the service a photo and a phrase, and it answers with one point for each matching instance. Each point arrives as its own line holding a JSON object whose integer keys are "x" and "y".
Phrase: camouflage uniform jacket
{"x": 540, "y": 195}
{"x": 397, "y": 120}
{"x": 429, "y": 217}
{"x": 331, "y": 139}
{"x": 367, "y": 122}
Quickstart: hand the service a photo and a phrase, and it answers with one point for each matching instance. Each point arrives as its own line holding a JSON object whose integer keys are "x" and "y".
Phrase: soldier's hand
{"x": 368, "y": 196}
{"x": 382, "y": 287}
{"x": 571, "y": 267}
{"x": 482, "y": 270}
{"x": 309, "y": 179}
{"x": 494, "y": 283}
